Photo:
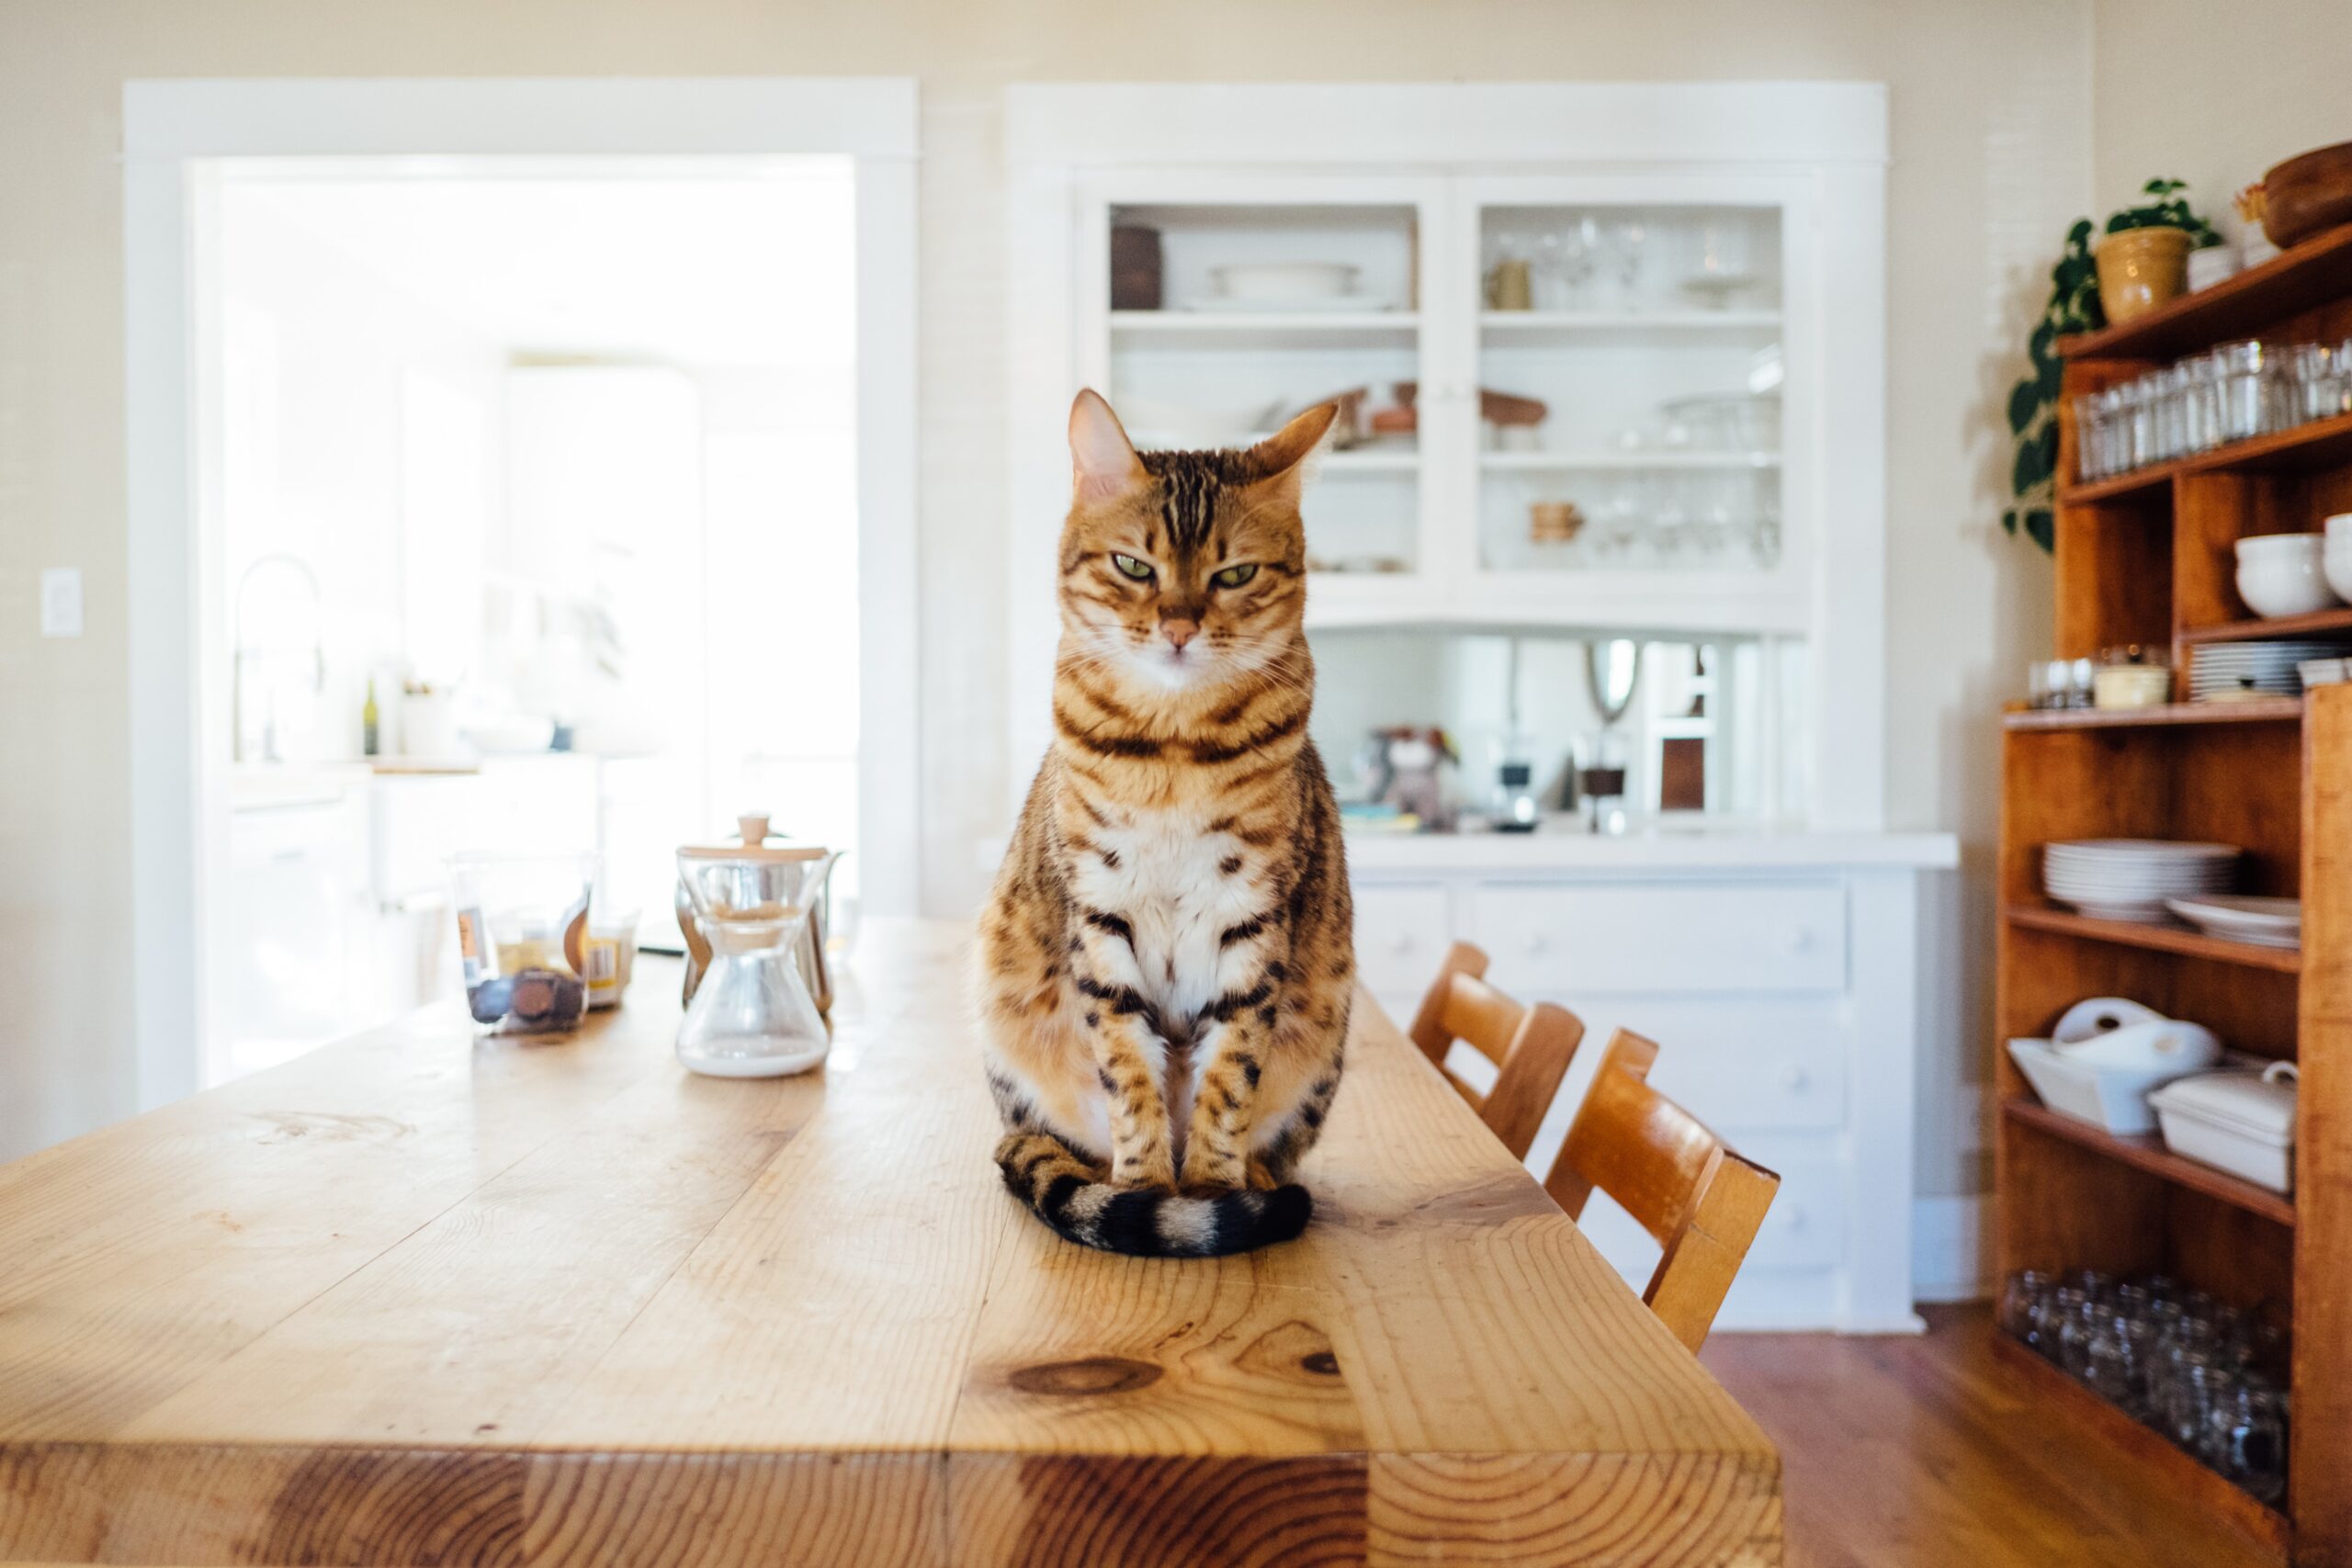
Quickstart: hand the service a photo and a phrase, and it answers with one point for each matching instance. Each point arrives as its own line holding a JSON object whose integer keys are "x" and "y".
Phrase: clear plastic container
{"x": 522, "y": 936}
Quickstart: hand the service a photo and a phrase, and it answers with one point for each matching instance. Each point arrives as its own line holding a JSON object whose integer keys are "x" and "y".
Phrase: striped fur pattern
{"x": 1165, "y": 966}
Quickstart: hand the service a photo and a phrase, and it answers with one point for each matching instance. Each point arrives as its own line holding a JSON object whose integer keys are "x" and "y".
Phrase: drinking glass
{"x": 2021, "y": 1302}
{"x": 2242, "y": 370}
{"x": 1626, "y": 239}
{"x": 2245, "y": 1438}
{"x": 2188, "y": 1399}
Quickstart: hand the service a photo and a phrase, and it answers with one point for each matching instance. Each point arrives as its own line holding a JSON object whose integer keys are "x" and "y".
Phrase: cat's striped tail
{"x": 1067, "y": 1193}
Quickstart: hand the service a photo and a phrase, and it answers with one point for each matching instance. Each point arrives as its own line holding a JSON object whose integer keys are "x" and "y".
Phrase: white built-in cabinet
{"x": 1702, "y": 319}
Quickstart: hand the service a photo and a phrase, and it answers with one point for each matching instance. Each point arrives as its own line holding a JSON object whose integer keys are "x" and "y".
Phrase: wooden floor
{"x": 1916, "y": 1452}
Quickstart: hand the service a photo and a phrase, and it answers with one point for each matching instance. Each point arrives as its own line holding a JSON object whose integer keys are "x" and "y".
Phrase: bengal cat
{"x": 1165, "y": 964}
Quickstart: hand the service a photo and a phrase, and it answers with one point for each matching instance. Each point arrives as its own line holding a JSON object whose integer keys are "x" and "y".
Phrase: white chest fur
{"x": 1169, "y": 886}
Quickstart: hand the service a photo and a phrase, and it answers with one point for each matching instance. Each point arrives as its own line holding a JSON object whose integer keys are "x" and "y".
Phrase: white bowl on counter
{"x": 2284, "y": 574}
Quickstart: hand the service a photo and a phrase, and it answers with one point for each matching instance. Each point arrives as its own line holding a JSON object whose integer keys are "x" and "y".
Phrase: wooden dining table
{"x": 416, "y": 1298}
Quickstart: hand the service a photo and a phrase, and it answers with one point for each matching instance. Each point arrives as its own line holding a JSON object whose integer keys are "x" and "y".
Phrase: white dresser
{"x": 1781, "y": 975}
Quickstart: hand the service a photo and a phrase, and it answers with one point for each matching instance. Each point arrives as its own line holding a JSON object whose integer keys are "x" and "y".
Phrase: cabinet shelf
{"x": 1264, "y": 329}
{"x": 2318, "y": 623}
{"x": 2148, "y": 1152}
{"x": 2180, "y": 1474}
{"x": 1507, "y": 327}
{"x": 1626, "y": 462}
{"x": 2178, "y": 940}
{"x": 2317, "y": 272}
{"x": 2318, "y": 443}
{"x": 2252, "y": 710}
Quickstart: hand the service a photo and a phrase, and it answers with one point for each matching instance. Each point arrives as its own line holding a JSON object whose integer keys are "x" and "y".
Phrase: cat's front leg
{"x": 1225, "y": 1106}
{"x": 1130, "y": 1059}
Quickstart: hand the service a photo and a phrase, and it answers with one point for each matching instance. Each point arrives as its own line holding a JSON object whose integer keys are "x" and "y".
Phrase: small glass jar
{"x": 2021, "y": 1304}
{"x": 2245, "y": 1438}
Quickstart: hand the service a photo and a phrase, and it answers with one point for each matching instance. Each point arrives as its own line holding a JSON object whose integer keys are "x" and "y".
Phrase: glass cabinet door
{"x": 1232, "y": 308}
{"x": 1631, "y": 386}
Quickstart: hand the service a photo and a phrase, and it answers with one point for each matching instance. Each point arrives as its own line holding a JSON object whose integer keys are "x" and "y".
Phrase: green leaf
{"x": 2041, "y": 526}
{"x": 2025, "y": 401}
{"x": 2031, "y": 468}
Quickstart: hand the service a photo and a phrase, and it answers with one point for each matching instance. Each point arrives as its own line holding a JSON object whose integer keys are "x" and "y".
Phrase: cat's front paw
{"x": 1157, "y": 1175}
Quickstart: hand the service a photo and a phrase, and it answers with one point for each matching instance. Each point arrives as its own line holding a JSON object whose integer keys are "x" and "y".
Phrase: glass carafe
{"x": 752, "y": 1016}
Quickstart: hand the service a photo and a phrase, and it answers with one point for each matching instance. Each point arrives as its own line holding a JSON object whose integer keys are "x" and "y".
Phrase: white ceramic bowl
{"x": 2293, "y": 542}
{"x": 1284, "y": 281}
{"x": 2284, "y": 583}
{"x": 2339, "y": 530}
{"x": 2337, "y": 566}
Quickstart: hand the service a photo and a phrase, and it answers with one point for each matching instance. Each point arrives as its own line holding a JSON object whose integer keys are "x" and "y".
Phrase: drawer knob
{"x": 1794, "y": 1078}
{"x": 1401, "y": 942}
{"x": 1800, "y": 940}
{"x": 1533, "y": 941}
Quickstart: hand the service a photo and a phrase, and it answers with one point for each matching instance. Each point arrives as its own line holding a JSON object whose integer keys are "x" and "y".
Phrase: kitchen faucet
{"x": 241, "y": 653}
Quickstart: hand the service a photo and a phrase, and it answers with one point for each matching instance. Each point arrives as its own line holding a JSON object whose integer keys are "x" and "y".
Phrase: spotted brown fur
{"x": 1176, "y": 891}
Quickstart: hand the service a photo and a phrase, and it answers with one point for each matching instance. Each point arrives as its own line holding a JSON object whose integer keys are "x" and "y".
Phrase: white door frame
{"x": 172, "y": 132}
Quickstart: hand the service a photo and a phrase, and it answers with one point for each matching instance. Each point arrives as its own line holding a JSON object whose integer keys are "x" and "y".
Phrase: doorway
{"x": 529, "y": 499}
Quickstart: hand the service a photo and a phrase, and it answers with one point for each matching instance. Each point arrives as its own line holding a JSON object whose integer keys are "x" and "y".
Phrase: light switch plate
{"x": 61, "y": 600}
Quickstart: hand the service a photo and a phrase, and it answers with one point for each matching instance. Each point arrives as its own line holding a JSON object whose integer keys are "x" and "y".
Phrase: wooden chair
{"x": 1531, "y": 1047}
{"x": 1701, "y": 1202}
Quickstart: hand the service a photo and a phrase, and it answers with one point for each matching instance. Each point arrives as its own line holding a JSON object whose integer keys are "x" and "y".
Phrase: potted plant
{"x": 2073, "y": 307}
{"x": 2143, "y": 259}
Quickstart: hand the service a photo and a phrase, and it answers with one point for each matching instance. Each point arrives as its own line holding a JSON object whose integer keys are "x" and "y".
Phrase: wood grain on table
{"x": 413, "y": 1299}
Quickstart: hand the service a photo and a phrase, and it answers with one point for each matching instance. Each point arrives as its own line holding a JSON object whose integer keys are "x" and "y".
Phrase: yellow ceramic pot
{"x": 2139, "y": 269}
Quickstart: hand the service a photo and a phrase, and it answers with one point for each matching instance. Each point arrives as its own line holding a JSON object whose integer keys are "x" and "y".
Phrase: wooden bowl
{"x": 2307, "y": 194}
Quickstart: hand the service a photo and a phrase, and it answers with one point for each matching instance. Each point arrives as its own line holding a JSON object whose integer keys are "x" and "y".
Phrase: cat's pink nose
{"x": 1180, "y": 632}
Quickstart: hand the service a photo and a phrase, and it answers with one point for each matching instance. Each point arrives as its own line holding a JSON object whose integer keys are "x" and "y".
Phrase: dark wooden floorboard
{"x": 1918, "y": 1453}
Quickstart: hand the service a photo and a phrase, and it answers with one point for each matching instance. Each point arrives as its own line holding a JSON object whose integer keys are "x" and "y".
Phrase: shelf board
{"x": 1576, "y": 323}
{"x": 2179, "y": 940}
{"x": 2293, "y": 281}
{"x": 2320, "y": 622}
{"x": 2317, "y": 443}
{"x": 2177, "y": 1472}
{"x": 2146, "y": 1151}
{"x": 1264, "y": 329}
{"x": 1615, "y": 462}
{"x": 1402, "y": 460}
{"x": 2254, "y": 710}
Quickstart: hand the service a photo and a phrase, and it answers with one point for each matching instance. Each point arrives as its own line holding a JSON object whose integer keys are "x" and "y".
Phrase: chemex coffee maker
{"x": 758, "y": 987}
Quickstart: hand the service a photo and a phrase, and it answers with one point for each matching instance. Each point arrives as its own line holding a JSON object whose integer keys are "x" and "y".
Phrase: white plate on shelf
{"x": 2266, "y": 922}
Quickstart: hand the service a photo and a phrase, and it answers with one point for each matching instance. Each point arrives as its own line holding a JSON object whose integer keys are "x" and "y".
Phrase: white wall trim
{"x": 173, "y": 131}
{"x": 1142, "y": 123}
{"x": 1948, "y": 1261}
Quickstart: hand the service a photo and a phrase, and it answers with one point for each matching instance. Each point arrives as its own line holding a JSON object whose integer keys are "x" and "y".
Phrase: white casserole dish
{"x": 2240, "y": 1123}
{"x": 2115, "y": 1098}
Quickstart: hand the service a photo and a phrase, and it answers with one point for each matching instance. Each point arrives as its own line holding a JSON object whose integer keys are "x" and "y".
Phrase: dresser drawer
{"x": 1805, "y": 1227}
{"x": 1403, "y": 929}
{"x": 1761, "y": 1083}
{"x": 1596, "y": 937}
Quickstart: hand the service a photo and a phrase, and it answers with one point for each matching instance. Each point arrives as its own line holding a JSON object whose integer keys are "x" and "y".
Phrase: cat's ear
{"x": 1103, "y": 459}
{"x": 1284, "y": 458}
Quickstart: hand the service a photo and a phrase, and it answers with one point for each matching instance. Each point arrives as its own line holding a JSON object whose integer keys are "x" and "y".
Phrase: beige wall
{"x": 1992, "y": 145}
{"x": 2213, "y": 96}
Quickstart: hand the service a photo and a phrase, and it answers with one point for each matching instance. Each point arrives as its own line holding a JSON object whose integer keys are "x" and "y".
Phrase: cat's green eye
{"x": 1130, "y": 567}
{"x": 1235, "y": 576}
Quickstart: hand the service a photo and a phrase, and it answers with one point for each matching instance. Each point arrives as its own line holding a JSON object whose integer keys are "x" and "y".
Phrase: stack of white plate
{"x": 2266, "y": 922}
{"x": 2218, "y": 672}
{"x": 2130, "y": 879}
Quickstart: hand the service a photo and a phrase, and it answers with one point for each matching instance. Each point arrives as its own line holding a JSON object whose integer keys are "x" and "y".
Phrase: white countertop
{"x": 1564, "y": 848}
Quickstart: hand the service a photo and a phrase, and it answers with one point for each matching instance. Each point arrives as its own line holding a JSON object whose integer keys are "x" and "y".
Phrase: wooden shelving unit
{"x": 2149, "y": 557}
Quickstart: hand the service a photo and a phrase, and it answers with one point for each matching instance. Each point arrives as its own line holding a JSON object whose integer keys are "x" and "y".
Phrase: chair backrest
{"x": 1531, "y": 1047}
{"x": 1701, "y": 1202}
